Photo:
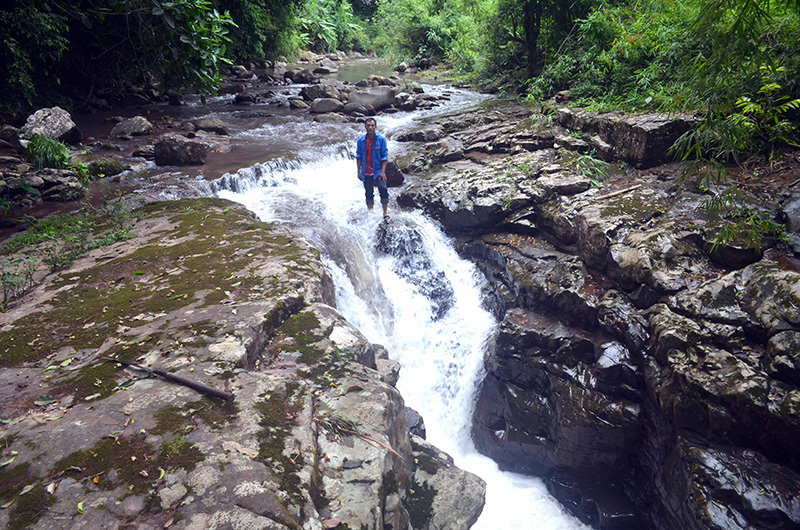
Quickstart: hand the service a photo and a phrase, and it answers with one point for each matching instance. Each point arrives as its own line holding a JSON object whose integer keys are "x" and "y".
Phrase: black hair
{"x": 370, "y": 119}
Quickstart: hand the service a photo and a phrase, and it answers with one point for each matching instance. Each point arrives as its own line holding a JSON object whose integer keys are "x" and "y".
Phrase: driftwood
{"x": 618, "y": 192}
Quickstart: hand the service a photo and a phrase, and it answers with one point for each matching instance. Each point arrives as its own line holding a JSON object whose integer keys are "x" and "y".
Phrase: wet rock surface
{"x": 648, "y": 374}
{"x": 314, "y": 437}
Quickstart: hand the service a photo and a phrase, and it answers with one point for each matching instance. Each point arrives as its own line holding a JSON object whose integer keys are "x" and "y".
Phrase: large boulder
{"x": 312, "y": 92}
{"x": 452, "y": 497}
{"x": 176, "y": 150}
{"x": 53, "y": 122}
{"x": 643, "y": 140}
{"x": 362, "y": 109}
{"x": 136, "y": 126}
{"x": 215, "y": 125}
{"x": 559, "y": 399}
{"x": 415, "y": 266}
{"x": 379, "y": 97}
{"x": 323, "y": 105}
{"x": 300, "y": 76}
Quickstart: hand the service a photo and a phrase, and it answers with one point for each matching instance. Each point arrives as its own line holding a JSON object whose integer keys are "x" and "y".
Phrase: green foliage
{"x": 16, "y": 276}
{"x": 65, "y": 238}
{"x": 763, "y": 119}
{"x": 593, "y": 168}
{"x": 47, "y": 152}
{"x": 48, "y": 44}
{"x": 191, "y": 37}
{"x": 433, "y": 30}
{"x": 33, "y": 43}
{"x": 329, "y": 25}
{"x": 265, "y": 28}
{"x": 631, "y": 55}
{"x": 741, "y": 222}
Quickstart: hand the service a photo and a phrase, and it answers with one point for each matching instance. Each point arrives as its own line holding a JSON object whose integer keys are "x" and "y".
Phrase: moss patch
{"x": 29, "y": 508}
{"x": 178, "y": 453}
{"x": 210, "y": 254}
{"x": 420, "y": 503}
{"x": 180, "y": 419}
{"x": 12, "y": 480}
{"x": 277, "y": 419}
{"x": 129, "y": 457}
{"x": 303, "y": 328}
{"x": 129, "y": 461}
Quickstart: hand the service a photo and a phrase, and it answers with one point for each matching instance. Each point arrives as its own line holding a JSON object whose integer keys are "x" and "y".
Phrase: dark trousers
{"x": 369, "y": 186}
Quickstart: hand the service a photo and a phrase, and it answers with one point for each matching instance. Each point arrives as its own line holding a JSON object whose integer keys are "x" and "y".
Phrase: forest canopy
{"x": 724, "y": 57}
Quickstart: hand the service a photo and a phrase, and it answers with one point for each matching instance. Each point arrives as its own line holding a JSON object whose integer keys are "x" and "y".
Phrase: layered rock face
{"x": 650, "y": 375}
{"x": 314, "y": 437}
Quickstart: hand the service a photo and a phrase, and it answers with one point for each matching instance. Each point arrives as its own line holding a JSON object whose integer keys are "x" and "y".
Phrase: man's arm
{"x": 384, "y": 159}
{"x": 359, "y": 156}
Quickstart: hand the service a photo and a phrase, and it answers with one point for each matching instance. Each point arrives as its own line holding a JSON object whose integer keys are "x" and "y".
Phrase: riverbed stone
{"x": 136, "y": 126}
{"x": 215, "y": 125}
{"x": 379, "y": 97}
{"x": 323, "y": 105}
{"x": 312, "y": 92}
{"x": 363, "y": 109}
{"x": 299, "y": 75}
{"x": 394, "y": 176}
{"x": 52, "y": 122}
{"x": 176, "y": 150}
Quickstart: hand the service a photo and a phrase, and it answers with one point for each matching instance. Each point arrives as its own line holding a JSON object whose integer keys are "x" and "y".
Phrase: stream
{"x": 403, "y": 286}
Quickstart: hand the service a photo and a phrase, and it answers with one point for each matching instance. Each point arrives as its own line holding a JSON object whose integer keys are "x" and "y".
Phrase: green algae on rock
{"x": 207, "y": 291}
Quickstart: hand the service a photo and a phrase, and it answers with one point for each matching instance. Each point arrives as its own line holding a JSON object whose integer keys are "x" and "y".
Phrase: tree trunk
{"x": 532, "y": 23}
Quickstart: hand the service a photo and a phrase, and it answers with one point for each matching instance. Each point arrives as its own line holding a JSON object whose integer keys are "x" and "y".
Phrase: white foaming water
{"x": 442, "y": 359}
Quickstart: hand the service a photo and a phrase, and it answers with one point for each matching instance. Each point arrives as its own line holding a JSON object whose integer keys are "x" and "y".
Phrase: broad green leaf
{"x": 44, "y": 400}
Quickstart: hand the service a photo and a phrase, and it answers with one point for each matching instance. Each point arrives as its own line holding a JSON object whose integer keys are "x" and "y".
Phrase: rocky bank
{"x": 650, "y": 376}
{"x": 314, "y": 436}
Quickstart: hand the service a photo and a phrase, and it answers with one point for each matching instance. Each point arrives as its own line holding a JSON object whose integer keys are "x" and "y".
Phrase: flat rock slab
{"x": 209, "y": 293}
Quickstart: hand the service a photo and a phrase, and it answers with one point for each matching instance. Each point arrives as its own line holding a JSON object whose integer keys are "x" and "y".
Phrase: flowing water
{"x": 403, "y": 286}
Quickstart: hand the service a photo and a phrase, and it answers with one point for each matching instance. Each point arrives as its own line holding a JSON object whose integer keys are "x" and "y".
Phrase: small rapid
{"x": 404, "y": 287}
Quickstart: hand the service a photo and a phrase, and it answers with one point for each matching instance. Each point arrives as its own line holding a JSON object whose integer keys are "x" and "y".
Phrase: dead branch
{"x": 618, "y": 192}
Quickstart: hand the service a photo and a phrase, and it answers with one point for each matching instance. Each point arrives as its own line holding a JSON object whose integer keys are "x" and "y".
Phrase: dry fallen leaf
{"x": 26, "y": 489}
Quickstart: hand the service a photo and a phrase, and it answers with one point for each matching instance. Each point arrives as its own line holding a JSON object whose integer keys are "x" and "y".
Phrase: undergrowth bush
{"x": 58, "y": 241}
{"x": 46, "y": 152}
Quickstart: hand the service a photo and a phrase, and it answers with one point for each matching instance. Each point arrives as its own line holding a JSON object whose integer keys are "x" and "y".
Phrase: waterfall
{"x": 405, "y": 287}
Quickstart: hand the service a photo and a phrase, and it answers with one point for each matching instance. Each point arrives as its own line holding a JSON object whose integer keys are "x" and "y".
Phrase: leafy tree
{"x": 328, "y": 25}
{"x": 33, "y": 43}
{"x": 430, "y": 30}
{"x": 266, "y": 28}
{"x": 107, "y": 43}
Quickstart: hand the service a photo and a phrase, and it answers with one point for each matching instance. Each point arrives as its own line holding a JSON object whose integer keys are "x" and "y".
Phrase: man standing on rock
{"x": 372, "y": 154}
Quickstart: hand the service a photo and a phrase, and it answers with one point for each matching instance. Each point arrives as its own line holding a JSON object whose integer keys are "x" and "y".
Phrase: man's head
{"x": 370, "y": 126}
